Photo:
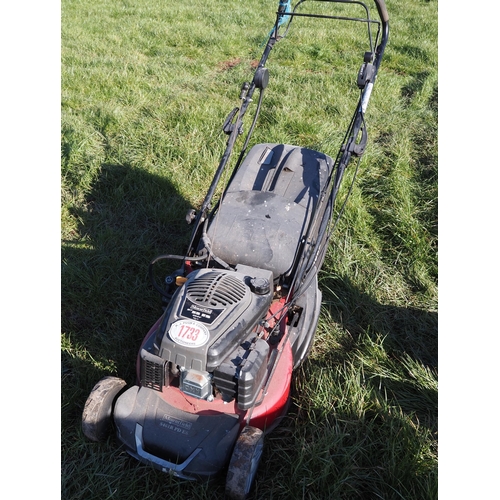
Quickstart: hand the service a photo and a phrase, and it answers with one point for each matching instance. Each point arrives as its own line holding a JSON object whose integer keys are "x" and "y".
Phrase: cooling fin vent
{"x": 216, "y": 289}
{"x": 152, "y": 371}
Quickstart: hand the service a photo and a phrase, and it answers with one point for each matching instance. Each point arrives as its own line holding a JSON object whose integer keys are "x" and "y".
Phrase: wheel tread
{"x": 97, "y": 412}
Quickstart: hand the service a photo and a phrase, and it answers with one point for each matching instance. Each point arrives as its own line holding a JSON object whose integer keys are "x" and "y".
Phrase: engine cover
{"x": 211, "y": 314}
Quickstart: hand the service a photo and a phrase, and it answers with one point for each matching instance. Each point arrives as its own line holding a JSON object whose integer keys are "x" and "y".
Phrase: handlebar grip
{"x": 382, "y": 10}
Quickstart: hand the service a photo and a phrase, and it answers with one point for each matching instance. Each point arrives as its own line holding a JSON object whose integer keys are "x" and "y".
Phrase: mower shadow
{"x": 404, "y": 329}
{"x": 128, "y": 218}
{"x": 381, "y": 334}
{"x": 107, "y": 304}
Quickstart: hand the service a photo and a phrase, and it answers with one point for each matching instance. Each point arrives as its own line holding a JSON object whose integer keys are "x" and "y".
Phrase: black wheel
{"x": 96, "y": 417}
{"x": 244, "y": 463}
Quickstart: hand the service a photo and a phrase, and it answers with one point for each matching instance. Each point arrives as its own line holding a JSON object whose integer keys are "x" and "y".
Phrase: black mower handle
{"x": 381, "y": 8}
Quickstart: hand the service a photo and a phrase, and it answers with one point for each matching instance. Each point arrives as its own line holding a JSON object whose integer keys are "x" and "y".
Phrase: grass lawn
{"x": 146, "y": 86}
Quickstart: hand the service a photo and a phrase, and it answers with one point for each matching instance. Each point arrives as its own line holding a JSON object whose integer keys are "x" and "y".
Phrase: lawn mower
{"x": 239, "y": 315}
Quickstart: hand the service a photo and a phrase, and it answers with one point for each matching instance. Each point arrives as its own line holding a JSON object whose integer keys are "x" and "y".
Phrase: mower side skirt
{"x": 302, "y": 334}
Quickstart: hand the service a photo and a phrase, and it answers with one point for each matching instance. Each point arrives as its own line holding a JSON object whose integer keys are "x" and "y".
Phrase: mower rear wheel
{"x": 244, "y": 463}
{"x": 97, "y": 413}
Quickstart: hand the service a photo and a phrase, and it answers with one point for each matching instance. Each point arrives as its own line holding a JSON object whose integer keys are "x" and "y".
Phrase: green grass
{"x": 146, "y": 86}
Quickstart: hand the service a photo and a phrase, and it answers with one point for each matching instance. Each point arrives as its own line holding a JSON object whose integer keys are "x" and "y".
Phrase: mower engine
{"x": 208, "y": 342}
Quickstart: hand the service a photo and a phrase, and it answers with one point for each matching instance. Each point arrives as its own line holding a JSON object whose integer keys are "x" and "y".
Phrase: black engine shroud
{"x": 207, "y": 336}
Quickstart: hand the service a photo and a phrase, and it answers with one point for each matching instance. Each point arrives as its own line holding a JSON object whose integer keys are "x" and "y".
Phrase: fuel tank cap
{"x": 260, "y": 286}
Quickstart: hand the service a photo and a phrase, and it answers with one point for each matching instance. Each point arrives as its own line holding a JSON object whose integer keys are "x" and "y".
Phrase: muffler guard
{"x": 190, "y": 446}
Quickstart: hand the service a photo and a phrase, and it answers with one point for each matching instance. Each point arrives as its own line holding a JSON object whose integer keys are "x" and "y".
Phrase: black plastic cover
{"x": 242, "y": 373}
{"x": 174, "y": 435}
{"x": 251, "y": 374}
{"x": 268, "y": 205}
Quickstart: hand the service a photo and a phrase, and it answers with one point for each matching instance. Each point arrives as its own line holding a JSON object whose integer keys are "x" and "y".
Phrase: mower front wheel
{"x": 244, "y": 463}
{"x": 97, "y": 413}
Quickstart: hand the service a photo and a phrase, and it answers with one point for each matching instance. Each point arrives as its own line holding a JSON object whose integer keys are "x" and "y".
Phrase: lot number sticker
{"x": 189, "y": 333}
